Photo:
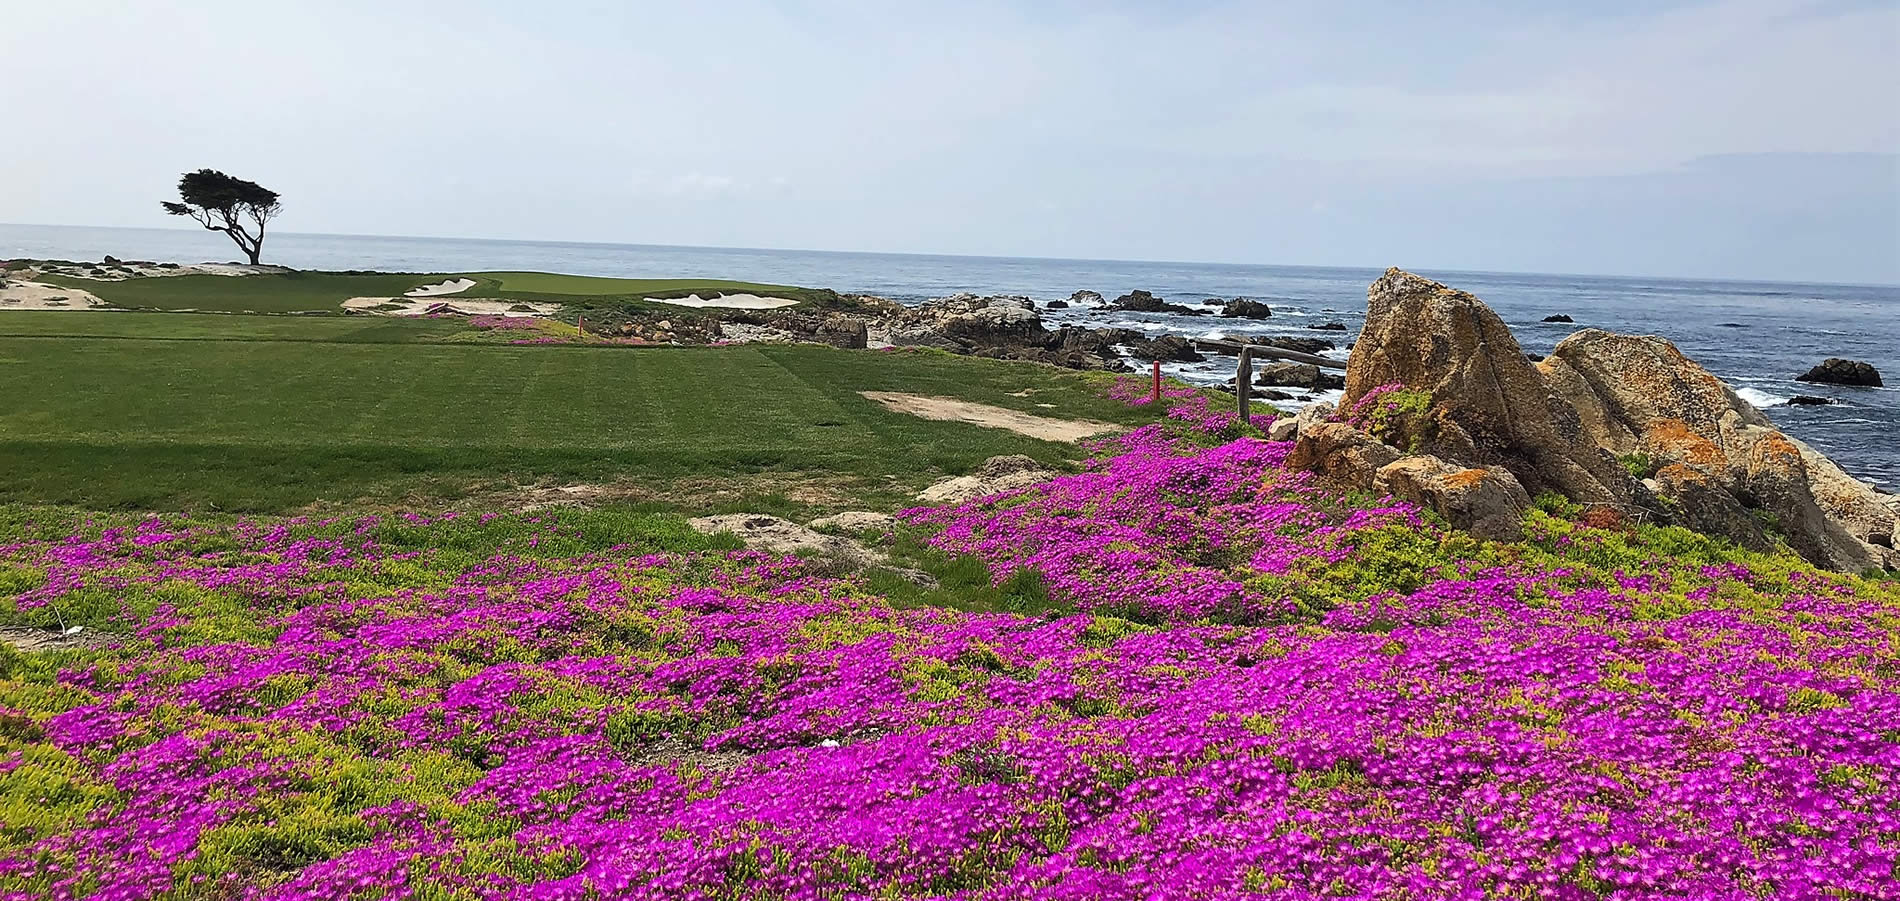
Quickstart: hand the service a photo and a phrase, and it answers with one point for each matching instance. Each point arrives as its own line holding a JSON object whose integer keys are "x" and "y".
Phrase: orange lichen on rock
{"x": 1465, "y": 478}
{"x": 1676, "y": 472}
{"x": 1674, "y": 440}
{"x": 1775, "y": 448}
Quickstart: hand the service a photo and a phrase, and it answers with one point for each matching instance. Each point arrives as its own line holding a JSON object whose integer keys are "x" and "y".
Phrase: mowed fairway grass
{"x": 269, "y": 414}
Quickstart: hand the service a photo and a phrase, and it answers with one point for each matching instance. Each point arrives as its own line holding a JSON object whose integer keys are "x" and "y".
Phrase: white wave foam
{"x": 1761, "y": 398}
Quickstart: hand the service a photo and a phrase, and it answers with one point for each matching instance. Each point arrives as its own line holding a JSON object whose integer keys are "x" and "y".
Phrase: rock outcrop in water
{"x": 1836, "y": 371}
{"x": 1617, "y": 421}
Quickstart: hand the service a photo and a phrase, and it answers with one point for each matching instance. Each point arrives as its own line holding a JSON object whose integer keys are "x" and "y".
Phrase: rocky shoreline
{"x": 1443, "y": 408}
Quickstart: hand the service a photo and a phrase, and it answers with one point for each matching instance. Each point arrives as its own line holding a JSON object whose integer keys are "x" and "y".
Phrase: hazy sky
{"x": 1741, "y": 138}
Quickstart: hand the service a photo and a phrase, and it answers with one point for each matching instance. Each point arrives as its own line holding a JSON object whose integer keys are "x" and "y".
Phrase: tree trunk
{"x": 254, "y": 252}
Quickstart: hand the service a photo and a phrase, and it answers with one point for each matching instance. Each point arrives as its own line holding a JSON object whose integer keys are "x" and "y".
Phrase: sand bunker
{"x": 40, "y": 296}
{"x": 950, "y": 409}
{"x": 728, "y": 302}
{"x": 452, "y": 286}
{"x": 423, "y": 306}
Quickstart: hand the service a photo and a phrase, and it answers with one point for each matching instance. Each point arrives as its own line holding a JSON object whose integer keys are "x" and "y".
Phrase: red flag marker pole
{"x": 1155, "y": 394}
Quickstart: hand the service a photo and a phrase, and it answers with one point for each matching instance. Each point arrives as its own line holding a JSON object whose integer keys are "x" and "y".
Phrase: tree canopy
{"x": 222, "y": 203}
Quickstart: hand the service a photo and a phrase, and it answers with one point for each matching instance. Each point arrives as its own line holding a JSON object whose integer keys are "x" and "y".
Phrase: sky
{"x": 1731, "y": 138}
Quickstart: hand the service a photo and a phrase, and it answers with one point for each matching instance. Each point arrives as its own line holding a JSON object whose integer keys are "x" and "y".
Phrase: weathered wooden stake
{"x": 1243, "y": 381}
{"x": 1155, "y": 393}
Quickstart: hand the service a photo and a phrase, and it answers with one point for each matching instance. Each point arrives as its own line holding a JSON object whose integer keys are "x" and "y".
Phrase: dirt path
{"x": 952, "y": 410}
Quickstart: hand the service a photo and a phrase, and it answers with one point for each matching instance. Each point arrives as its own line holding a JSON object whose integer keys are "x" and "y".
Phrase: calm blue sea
{"x": 1756, "y": 335}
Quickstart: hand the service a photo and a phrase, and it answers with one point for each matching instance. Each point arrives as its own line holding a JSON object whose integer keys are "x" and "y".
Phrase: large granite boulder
{"x": 1716, "y": 456}
{"x": 1489, "y": 405}
{"x": 1486, "y": 501}
{"x": 1338, "y": 452}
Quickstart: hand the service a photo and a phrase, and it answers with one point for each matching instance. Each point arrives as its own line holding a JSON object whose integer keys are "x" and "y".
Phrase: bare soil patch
{"x": 950, "y": 409}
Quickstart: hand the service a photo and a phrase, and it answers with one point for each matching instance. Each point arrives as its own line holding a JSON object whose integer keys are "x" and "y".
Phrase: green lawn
{"x": 291, "y": 292}
{"x": 220, "y": 327}
{"x": 119, "y": 410}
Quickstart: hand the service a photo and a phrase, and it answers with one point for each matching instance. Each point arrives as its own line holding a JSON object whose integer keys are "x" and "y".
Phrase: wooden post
{"x": 1155, "y": 393}
{"x": 1243, "y": 381}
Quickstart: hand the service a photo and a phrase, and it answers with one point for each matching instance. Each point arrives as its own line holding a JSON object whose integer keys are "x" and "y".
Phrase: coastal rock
{"x": 841, "y": 331}
{"x": 1139, "y": 301}
{"x": 1167, "y": 348}
{"x": 1328, "y": 327}
{"x": 1298, "y": 375}
{"x": 763, "y": 532}
{"x": 1808, "y": 400}
{"x": 1486, "y": 501}
{"x": 1086, "y": 298}
{"x": 1836, "y": 371}
{"x": 1559, "y": 317}
{"x": 1057, "y": 305}
{"x": 1489, "y": 405}
{"x": 989, "y": 320}
{"x": 1340, "y": 452}
{"x": 1303, "y": 345}
{"x": 995, "y": 476}
{"x": 1708, "y": 505}
{"x": 856, "y": 521}
{"x": 1640, "y": 397}
{"x": 1285, "y": 428}
{"x": 1242, "y": 308}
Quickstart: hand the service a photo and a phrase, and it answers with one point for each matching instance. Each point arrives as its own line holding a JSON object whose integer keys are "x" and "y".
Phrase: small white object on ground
{"x": 728, "y": 302}
{"x": 452, "y": 286}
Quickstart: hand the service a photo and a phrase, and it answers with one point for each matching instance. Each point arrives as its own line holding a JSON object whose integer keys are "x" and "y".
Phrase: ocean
{"x": 1756, "y": 335}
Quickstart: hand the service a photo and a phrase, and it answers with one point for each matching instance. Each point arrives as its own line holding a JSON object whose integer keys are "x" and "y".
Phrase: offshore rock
{"x": 1139, "y": 301}
{"x": 1242, "y": 308}
{"x": 1167, "y": 348}
{"x": 1836, "y": 371}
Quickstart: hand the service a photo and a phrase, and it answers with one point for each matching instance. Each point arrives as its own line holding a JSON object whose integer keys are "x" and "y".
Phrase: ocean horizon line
{"x": 1722, "y": 280}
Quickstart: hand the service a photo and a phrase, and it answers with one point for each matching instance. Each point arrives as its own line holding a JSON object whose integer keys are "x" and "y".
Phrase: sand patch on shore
{"x": 423, "y": 306}
{"x": 452, "y": 286}
{"x": 40, "y": 296}
{"x": 727, "y": 302}
{"x": 950, "y": 409}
